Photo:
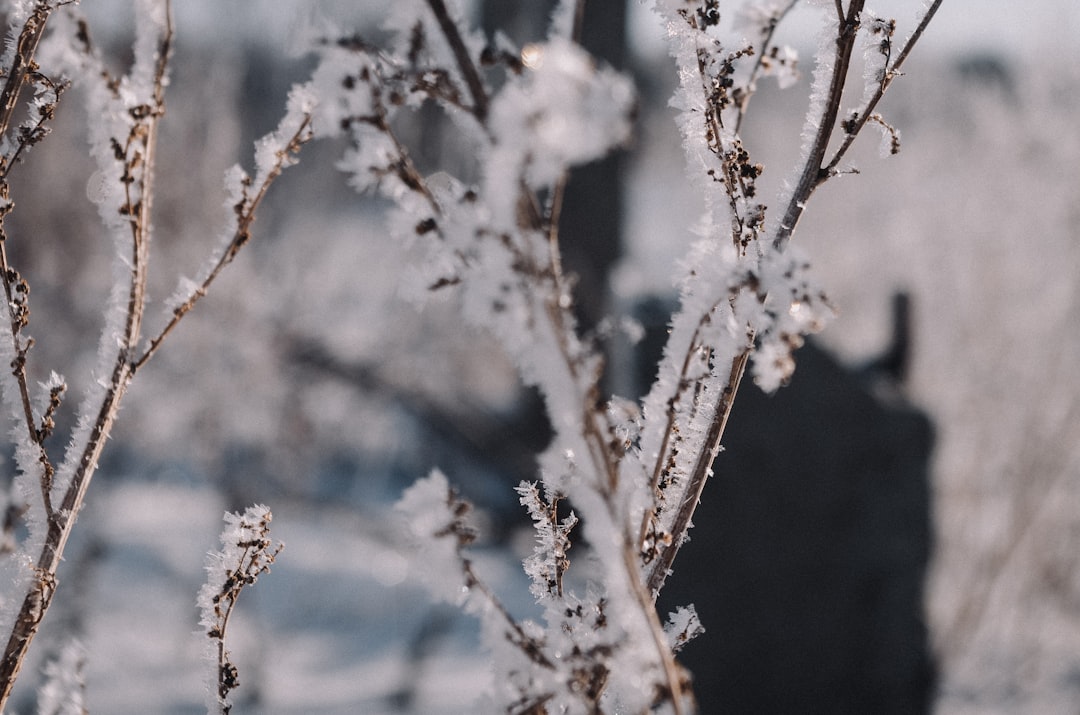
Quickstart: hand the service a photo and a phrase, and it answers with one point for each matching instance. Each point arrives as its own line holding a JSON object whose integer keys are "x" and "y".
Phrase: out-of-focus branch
{"x": 465, "y": 63}
{"x": 505, "y": 442}
{"x": 245, "y": 215}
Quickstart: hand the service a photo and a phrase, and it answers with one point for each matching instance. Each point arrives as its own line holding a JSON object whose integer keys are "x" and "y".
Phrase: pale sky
{"x": 1021, "y": 27}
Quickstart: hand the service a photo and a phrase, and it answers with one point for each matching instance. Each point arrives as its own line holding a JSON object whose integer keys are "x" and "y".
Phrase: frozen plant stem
{"x": 635, "y": 480}
{"x": 134, "y": 149}
{"x": 26, "y": 47}
{"x": 699, "y": 476}
{"x": 816, "y": 171}
{"x": 16, "y": 289}
{"x": 465, "y": 64}
{"x": 142, "y": 143}
{"x": 813, "y": 174}
{"x": 247, "y": 553}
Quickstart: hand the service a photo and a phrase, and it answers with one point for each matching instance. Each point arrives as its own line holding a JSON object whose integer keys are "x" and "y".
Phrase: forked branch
{"x": 136, "y": 153}
{"x": 816, "y": 171}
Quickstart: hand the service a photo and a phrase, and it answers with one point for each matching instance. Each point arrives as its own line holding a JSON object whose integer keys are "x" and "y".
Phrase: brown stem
{"x": 643, "y": 596}
{"x": 891, "y": 72}
{"x": 60, "y": 524}
{"x": 461, "y": 56}
{"x": 813, "y": 172}
{"x": 23, "y": 62}
{"x": 701, "y": 473}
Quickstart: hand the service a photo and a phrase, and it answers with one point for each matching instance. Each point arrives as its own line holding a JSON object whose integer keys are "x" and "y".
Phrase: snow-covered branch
{"x": 247, "y": 553}
{"x": 619, "y": 482}
{"x": 747, "y": 295}
{"x": 124, "y": 116}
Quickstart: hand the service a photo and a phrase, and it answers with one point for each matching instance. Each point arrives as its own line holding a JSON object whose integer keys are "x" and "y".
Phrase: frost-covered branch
{"x": 493, "y": 239}
{"x": 14, "y": 344}
{"x": 747, "y": 295}
{"x": 830, "y": 78}
{"x": 125, "y": 114}
{"x": 130, "y": 124}
{"x": 879, "y": 45}
{"x": 19, "y": 60}
{"x": 247, "y": 553}
{"x": 619, "y": 483}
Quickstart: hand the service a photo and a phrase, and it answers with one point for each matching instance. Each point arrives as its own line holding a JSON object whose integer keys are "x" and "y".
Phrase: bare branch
{"x": 461, "y": 55}
{"x": 866, "y": 113}
{"x": 142, "y": 141}
{"x": 813, "y": 173}
{"x": 245, "y": 212}
{"x": 759, "y": 64}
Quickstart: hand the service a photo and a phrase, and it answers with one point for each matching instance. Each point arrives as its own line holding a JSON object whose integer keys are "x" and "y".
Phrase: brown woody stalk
{"x": 814, "y": 173}
{"x": 465, "y": 63}
{"x": 141, "y": 143}
{"x": 139, "y": 157}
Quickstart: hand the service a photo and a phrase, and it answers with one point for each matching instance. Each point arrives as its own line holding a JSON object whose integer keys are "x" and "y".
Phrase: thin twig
{"x": 890, "y": 73}
{"x": 245, "y": 219}
{"x": 17, "y": 314}
{"x": 774, "y": 22}
{"x": 910, "y": 44}
{"x": 461, "y": 56}
{"x": 813, "y": 172}
{"x": 662, "y": 455}
{"x": 60, "y": 523}
{"x": 702, "y": 470}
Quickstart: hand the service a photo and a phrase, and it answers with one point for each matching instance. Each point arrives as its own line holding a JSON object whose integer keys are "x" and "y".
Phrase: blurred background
{"x": 897, "y": 531}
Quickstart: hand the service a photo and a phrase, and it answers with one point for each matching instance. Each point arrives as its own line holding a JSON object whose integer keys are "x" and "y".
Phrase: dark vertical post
{"x": 590, "y": 228}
